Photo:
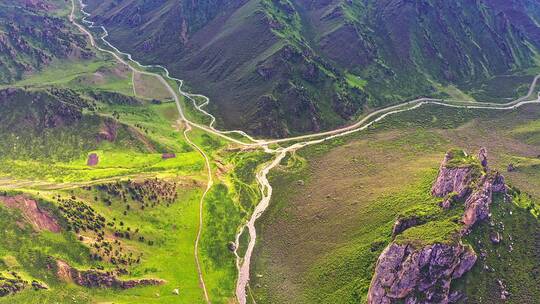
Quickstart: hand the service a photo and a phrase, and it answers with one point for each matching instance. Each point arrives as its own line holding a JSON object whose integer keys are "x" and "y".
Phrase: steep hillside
{"x": 279, "y": 67}
{"x": 31, "y": 37}
{"x": 59, "y": 125}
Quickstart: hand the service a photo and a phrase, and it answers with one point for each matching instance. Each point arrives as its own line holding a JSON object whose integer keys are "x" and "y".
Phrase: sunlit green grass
{"x": 76, "y": 75}
{"x": 111, "y": 164}
{"x": 172, "y": 228}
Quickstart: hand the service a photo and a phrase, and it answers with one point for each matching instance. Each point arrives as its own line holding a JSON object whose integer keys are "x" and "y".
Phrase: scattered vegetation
{"x": 338, "y": 267}
{"x": 513, "y": 262}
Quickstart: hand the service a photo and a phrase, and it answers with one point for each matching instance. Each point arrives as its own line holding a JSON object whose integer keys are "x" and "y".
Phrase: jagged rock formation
{"x": 99, "y": 279}
{"x": 415, "y": 272}
{"x": 9, "y": 286}
{"x": 12, "y": 283}
{"x": 465, "y": 180}
{"x": 419, "y": 275}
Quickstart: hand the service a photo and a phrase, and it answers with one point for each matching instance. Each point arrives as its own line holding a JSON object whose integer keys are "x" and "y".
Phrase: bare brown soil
{"x": 38, "y": 218}
{"x": 93, "y": 160}
{"x": 108, "y": 131}
{"x": 148, "y": 86}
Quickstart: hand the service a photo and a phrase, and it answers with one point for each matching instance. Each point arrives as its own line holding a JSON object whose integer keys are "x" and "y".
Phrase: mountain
{"x": 60, "y": 125}
{"x": 279, "y": 67}
{"x": 32, "y": 37}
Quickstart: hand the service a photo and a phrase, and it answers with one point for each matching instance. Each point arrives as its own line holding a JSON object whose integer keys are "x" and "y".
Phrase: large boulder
{"x": 405, "y": 274}
{"x": 477, "y": 205}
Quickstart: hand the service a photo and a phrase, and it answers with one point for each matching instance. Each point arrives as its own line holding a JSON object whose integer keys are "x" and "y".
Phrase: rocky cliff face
{"x": 410, "y": 273}
{"x": 419, "y": 275}
{"x": 473, "y": 182}
{"x": 452, "y": 180}
{"x": 39, "y": 219}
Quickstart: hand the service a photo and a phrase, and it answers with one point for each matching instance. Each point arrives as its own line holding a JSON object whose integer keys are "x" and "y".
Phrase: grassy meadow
{"x": 335, "y": 203}
{"x": 129, "y": 128}
{"x": 331, "y": 215}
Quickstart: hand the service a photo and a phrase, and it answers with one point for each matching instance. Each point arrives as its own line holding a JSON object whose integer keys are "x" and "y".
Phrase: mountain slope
{"x": 59, "y": 125}
{"x": 31, "y": 37}
{"x": 279, "y": 67}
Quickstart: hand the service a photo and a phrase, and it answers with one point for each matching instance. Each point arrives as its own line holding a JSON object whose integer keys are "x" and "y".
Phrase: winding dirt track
{"x": 297, "y": 142}
{"x": 186, "y": 131}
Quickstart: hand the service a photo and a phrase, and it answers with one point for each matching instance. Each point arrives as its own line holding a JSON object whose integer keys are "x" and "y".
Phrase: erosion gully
{"x": 243, "y": 262}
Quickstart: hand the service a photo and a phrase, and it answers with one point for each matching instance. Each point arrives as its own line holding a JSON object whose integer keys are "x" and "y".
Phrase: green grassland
{"x": 514, "y": 261}
{"x": 99, "y": 73}
{"x": 330, "y": 62}
{"x": 228, "y": 205}
{"x": 52, "y": 160}
{"x": 171, "y": 228}
{"x": 332, "y": 212}
{"x": 502, "y": 88}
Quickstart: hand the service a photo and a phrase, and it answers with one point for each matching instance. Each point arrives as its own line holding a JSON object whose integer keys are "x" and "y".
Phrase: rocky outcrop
{"x": 452, "y": 179}
{"x": 405, "y": 274}
{"x": 472, "y": 182}
{"x": 13, "y": 283}
{"x": 39, "y": 285}
{"x": 483, "y": 158}
{"x": 477, "y": 205}
{"x": 511, "y": 168}
{"x": 99, "y": 279}
{"x": 11, "y": 286}
{"x": 495, "y": 237}
{"x": 410, "y": 273}
{"x": 498, "y": 183}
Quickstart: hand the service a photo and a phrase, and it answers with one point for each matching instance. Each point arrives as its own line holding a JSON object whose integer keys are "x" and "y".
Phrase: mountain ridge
{"x": 279, "y": 67}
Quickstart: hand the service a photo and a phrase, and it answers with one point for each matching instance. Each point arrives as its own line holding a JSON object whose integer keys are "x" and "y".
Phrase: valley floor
{"x": 335, "y": 203}
{"x": 137, "y": 191}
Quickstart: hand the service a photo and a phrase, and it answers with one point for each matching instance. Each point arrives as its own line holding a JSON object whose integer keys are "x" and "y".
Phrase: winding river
{"x": 243, "y": 262}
